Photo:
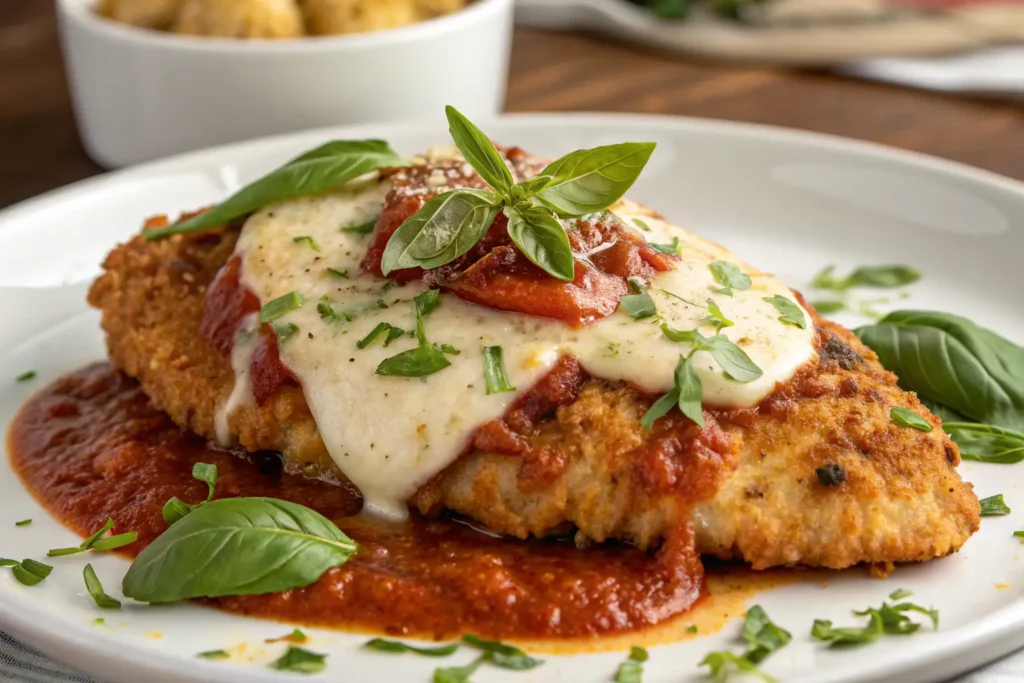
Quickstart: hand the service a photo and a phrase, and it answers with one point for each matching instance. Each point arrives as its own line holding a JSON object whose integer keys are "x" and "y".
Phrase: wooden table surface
{"x": 40, "y": 149}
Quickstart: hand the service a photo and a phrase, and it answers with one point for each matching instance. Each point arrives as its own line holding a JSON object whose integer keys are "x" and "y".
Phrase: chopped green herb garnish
{"x": 908, "y": 419}
{"x": 502, "y": 655}
{"x": 720, "y": 663}
{"x": 296, "y": 636}
{"x": 672, "y": 248}
{"x": 24, "y": 522}
{"x": 26, "y": 376}
{"x": 994, "y": 506}
{"x": 730, "y": 277}
{"x": 692, "y": 628}
{"x": 175, "y": 509}
{"x": 99, "y": 621}
{"x": 425, "y": 359}
{"x": 306, "y": 239}
{"x": 887, "y": 619}
{"x": 494, "y": 371}
{"x": 642, "y": 225}
{"x": 763, "y": 637}
{"x": 298, "y": 660}
{"x": 639, "y": 304}
{"x": 676, "y": 296}
{"x": 284, "y": 332}
{"x": 734, "y": 360}
{"x": 399, "y": 647}
{"x": 28, "y": 572}
{"x": 449, "y": 350}
{"x": 326, "y": 310}
{"x": 899, "y": 594}
{"x": 214, "y": 654}
{"x": 867, "y": 276}
{"x": 95, "y": 536}
{"x": 393, "y": 334}
{"x": 338, "y": 273}
{"x": 361, "y": 229}
{"x": 92, "y": 584}
{"x": 114, "y": 542}
{"x": 791, "y": 313}
{"x": 427, "y": 301}
{"x": 716, "y": 318}
{"x": 828, "y": 307}
{"x": 632, "y": 670}
{"x": 458, "y": 674}
{"x": 272, "y": 310}
{"x": 1019, "y": 534}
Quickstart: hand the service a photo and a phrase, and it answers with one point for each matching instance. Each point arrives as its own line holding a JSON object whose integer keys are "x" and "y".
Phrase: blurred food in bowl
{"x": 274, "y": 18}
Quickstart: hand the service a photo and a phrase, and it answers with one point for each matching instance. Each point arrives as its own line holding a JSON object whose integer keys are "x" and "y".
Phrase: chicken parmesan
{"x": 478, "y": 336}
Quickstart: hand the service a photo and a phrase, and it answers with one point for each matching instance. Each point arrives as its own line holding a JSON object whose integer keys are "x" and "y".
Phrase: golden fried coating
{"x": 154, "y": 14}
{"x": 239, "y": 19}
{"x": 884, "y": 494}
{"x": 330, "y": 17}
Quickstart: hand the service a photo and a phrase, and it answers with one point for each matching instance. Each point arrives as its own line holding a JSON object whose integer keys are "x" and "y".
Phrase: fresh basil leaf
{"x": 679, "y": 336}
{"x": 691, "y": 391}
{"x": 494, "y": 371}
{"x": 237, "y": 546}
{"x": 28, "y": 572}
{"x": 479, "y": 151}
{"x": 427, "y": 301}
{"x": 986, "y": 443}
{"x": 542, "y": 239}
{"x": 791, "y": 313}
{"x": 501, "y": 655}
{"x": 445, "y": 228}
{"x": 838, "y": 637}
{"x": 886, "y": 276}
{"x": 643, "y": 225}
{"x": 324, "y": 168}
{"x": 717, "y": 319}
{"x": 639, "y": 304}
{"x": 272, "y": 310}
{"x": 530, "y": 187}
{"x": 673, "y": 247}
{"x": 763, "y": 636}
{"x": 114, "y": 542}
{"x": 458, "y": 674}
{"x": 26, "y": 376}
{"x": 175, "y": 509}
{"x": 207, "y": 474}
{"x": 994, "y": 506}
{"x": 887, "y": 619}
{"x": 590, "y": 180}
{"x": 299, "y": 660}
{"x": 720, "y": 664}
{"x": 92, "y": 584}
{"x": 908, "y": 419}
{"x": 214, "y": 654}
{"x": 948, "y": 359}
{"x": 729, "y": 276}
{"x": 419, "y": 362}
{"x": 24, "y": 522}
{"x": 829, "y": 306}
{"x": 399, "y": 647}
{"x": 660, "y": 408}
{"x": 734, "y": 360}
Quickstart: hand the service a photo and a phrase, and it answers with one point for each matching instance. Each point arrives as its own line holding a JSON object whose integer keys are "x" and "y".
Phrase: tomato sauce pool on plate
{"x": 91, "y": 446}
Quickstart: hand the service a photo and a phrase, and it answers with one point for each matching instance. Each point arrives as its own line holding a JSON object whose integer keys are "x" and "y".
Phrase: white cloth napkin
{"x": 993, "y": 72}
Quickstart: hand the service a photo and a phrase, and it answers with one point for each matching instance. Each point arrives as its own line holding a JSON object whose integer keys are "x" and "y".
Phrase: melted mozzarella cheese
{"x": 389, "y": 435}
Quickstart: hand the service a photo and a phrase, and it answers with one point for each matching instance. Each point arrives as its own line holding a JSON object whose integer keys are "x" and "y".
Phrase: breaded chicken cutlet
{"x": 816, "y": 474}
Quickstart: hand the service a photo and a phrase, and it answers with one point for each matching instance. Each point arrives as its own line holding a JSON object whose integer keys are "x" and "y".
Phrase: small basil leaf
{"x": 829, "y": 307}
{"x": 207, "y": 474}
{"x": 791, "y": 313}
{"x": 729, "y": 276}
{"x": 680, "y": 336}
{"x": 717, "y": 319}
{"x": 640, "y": 304}
{"x": 324, "y": 168}
{"x": 175, "y": 509}
{"x": 445, "y": 228}
{"x": 994, "y": 506}
{"x": 734, "y": 360}
{"x": 721, "y": 662}
{"x": 299, "y": 660}
{"x": 542, "y": 239}
{"x": 673, "y": 247}
{"x": 419, "y": 362}
{"x": 908, "y": 419}
{"x": 590, "y": 180}
{"x": 534, "y": 185}
{"x": 494, "y": 371}
{"x": 642, "y": 224}
{"x": 399, "y": 647}
{"x": 237, "y": 546}
{"x": 886, "y": 276}
{"x": 986, "y": 443}
{"x": 92, "y": 584}
{"x": 427, "y": 301}
{"x": 763, "y": 636}
{"x": 501, "y": 655}
{"x": 458, "y": 674}
{"x": 479, "y": 151}
{"x": 691, "y": 391}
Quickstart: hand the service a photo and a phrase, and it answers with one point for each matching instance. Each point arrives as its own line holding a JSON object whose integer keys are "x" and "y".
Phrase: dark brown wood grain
{"x": 40, "y": 149}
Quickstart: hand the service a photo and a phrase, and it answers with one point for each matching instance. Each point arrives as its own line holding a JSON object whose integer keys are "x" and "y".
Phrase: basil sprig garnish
{"x": 397, "y": 647}
{"x": 763, "y": 637}
{"x": 885, "y": 620}
{"x": 494, "y": 371}
{"x": 450, "y": 224}
{"x": 867, "y": 276}
{"x": 716, "y": 318}
{"x": 632, "y": 670}
{"x": 908, "y": 419}
{"x": 95, "y": 588}
{"x": 237, "y": 546}
{"x": 734, "y": 360}
{"x": 639, "y": 304}
{"x": 425, "y": 359}
{"x": 175, "y": 509}
{"x": 994, "y": 506}
{"x": 319, "y": 170}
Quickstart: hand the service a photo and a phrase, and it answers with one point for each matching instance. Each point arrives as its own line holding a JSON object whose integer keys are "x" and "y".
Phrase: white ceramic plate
{"x": 789, "y": 202}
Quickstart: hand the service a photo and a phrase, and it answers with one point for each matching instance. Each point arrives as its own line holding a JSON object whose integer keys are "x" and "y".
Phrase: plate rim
{"x": 962, "y": 649}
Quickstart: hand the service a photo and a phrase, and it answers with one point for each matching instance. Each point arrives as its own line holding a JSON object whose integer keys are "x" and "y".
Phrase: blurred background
{"x": 140, "y": 79}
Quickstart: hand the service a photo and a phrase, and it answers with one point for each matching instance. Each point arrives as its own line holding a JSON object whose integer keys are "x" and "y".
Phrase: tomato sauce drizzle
{"x": 90, "y": 446}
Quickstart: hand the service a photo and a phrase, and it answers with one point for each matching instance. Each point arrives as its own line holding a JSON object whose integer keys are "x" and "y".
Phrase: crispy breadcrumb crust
{"x": 902, "y": 499}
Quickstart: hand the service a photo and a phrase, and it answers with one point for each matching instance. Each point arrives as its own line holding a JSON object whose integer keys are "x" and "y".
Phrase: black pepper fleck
{"x": 831, "y": 474}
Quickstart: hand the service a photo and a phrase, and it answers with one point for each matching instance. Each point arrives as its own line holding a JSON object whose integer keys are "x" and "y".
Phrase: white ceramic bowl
{"x": 141, "y": 94}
